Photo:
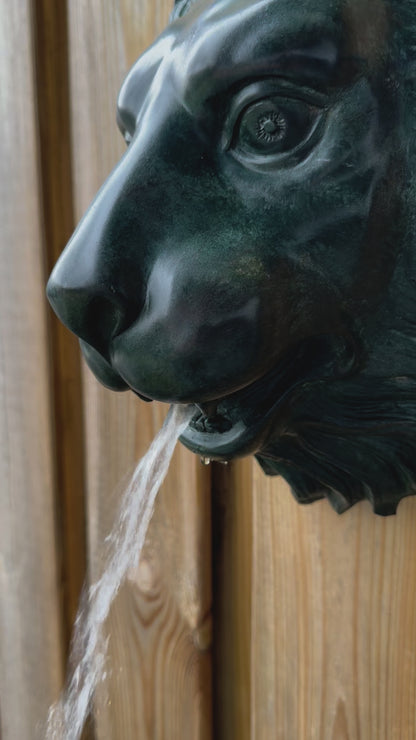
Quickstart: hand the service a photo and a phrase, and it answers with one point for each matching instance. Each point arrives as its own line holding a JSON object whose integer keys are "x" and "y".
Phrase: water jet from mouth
{"x": 123, "y": 547}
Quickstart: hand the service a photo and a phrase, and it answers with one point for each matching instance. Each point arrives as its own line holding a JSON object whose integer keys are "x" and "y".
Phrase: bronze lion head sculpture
{"x": 253, "y": 251}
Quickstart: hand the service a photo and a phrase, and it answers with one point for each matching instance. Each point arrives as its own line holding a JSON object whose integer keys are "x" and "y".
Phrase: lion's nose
{"x": 95, "y": 314}
{"x": 94, "y": 293}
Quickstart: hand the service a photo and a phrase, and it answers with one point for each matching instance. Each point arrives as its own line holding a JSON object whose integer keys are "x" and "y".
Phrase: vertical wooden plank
{"x": 52, "y": 83}
{"x": 233, "y": 590}
{"x": 326, "y": 649}
{"x": 30, "y": 638}
{"x": 159, "y": 683}
{"x": 333, "y": 620}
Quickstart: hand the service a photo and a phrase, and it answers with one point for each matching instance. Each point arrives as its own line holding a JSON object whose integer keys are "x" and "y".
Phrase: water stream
{"x": 123, "y": 547}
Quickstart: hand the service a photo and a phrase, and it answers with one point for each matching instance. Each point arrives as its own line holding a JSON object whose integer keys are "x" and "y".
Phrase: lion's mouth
{"x": 238, "y": 424}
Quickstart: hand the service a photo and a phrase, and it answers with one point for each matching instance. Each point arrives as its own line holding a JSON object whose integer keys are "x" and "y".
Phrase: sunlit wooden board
{"x": 333, "y": 632}
{"x": 315, "y": 616}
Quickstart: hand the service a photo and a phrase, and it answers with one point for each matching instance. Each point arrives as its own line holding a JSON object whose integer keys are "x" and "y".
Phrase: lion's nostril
{"x": 94, "y": 316}
{"x": 105, "y": 318}
{"x": 102, "y": 318}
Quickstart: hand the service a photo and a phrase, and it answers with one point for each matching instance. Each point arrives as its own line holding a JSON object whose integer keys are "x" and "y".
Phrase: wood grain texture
{"x": 30, "y": 619}
{"x": 314, "y": 616}
{"x": 160, "y": 628}
{"x": 159, "y": 684}
{"x": 52, "y": 84}
{"x": 333, "y": 633}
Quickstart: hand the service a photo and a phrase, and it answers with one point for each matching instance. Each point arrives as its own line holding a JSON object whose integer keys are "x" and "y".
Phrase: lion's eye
{"x": 273, "y": 126}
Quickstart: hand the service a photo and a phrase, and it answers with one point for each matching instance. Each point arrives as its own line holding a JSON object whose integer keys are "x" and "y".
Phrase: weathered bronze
{"x": 253, "y": 251}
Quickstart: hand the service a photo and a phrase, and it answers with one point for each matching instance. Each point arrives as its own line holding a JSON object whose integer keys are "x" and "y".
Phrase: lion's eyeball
{"x": 274, "y": 125}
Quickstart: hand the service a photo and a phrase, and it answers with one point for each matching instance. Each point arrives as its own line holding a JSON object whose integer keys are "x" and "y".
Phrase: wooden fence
{"x": 249, "y": 617}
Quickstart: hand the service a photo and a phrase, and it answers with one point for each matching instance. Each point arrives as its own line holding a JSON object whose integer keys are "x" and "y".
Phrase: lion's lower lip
{"x": 233, "y": 425}
{"x": 220, "y": 445}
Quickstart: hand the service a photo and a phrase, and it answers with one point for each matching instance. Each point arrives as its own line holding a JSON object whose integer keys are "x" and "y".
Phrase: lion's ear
{"x": 180, "y": 7}
{"x": 176, "y": 7}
